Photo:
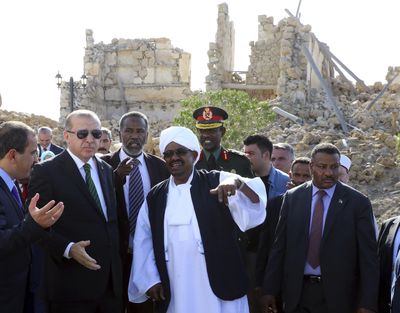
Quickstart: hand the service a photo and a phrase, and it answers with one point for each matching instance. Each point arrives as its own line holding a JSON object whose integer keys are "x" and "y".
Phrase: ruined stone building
{"x": 148, "y": 75}
{"x": 277, "y": 67}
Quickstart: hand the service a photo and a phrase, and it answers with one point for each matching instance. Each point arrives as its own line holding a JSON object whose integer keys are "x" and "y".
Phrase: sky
{"x": 39, "y": 38}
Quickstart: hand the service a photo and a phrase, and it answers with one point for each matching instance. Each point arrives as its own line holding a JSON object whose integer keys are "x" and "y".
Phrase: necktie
{"x": 316, "y": 231}
{"x": 91, "y": 186}
{"x": 15, "y": 193}
{"x": 395, "y": 292}
{"x": 136, "y": 194}
{"x": 212, "y": 163}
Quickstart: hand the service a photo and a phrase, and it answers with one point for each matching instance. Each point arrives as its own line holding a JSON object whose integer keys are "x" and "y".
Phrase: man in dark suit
{"x": 388, "y": 243}
{"x": 299, "y": 174}
{"x": 134, "y": 130}
{"x": 324, "y": 258}
{"x": 45, "y": 135}
{"x": 82, "y": 271}
{"x": 18, "y": 230}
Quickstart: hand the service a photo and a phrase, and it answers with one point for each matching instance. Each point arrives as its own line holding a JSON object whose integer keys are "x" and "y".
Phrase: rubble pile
{"x": 371, "y": 142}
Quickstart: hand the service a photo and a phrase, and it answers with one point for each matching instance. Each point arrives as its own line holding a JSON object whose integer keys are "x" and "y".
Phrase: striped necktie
{"x": 136, "y": 194}
{"x": 91, "y": 186}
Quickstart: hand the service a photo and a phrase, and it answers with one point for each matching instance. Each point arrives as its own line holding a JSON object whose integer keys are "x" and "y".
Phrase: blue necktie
{"x": 395, "y": 292}
{"x": 136, "y": 194}
{"x": 15, "y": 193}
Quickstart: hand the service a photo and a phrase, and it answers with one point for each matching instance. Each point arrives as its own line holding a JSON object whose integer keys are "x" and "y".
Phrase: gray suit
{"x": 348, "y": 253}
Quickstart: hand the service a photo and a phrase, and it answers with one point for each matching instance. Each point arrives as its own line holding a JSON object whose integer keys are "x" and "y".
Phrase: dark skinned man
{"x": 186, "y": 256}
{"x": 210, "y": 126}
{"x": 134, "y": 130}
{"x": 324, "y": 257}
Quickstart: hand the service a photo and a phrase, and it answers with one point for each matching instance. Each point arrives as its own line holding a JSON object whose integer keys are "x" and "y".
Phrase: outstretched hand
{"x": 47, "y": 215}
{"x": 223, "y": 191}
{"x": 79, "y": 254}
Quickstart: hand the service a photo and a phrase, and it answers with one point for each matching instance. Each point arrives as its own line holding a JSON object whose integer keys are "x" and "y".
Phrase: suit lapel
{"x": 389, "y": 242}
{"x": 337, "y": 204}
{"x": 305, "y": 206}
{"x": 72, "y": 173}
{"x": 104, "y": 185}
{"x": 17, "y": 209}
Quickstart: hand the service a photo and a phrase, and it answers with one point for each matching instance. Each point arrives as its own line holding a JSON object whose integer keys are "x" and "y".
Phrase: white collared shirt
{"x": 144, "y": 173}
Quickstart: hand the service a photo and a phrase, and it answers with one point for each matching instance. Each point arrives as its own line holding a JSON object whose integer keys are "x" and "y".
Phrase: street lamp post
{"x": 71, "y": 85}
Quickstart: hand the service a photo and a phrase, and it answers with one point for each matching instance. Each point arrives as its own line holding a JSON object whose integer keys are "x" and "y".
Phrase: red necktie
{"x": 316, "y": 231}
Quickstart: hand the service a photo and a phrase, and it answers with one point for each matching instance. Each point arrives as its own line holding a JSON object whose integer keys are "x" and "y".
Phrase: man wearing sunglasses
{"x": 82, "y": 270}
{"x": 186, "y": 256}
{"x": 134, "y": 130}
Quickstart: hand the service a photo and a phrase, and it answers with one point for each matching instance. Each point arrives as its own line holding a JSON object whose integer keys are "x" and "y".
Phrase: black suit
{"x": 157, "y": 172}
{"x": 65, "y": 279}
{"x": 386, "y": 240}
{"x": 53, "y": 148}
{"x": 348, "y": 252}
{"x": 16, "y": 235}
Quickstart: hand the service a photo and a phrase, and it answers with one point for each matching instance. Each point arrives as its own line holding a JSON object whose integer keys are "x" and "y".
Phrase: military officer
{"x": 210, "y": 125}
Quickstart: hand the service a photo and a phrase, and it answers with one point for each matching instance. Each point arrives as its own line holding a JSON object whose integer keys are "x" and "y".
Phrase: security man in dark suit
{"x": 324, "y": 257}
{"x": 18, "y": 230}
{"x": 134, "y": 130}
{"x": 210, "y": 125}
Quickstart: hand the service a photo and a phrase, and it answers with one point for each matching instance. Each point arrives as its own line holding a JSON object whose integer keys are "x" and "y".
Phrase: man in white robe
{"x": 199, "y": 268}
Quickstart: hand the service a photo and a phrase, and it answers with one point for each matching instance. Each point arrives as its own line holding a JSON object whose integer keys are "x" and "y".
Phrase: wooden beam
{"x": 327, "y": 89}
{"x": 382, "y": 92}
{"x": 325, "y": 86}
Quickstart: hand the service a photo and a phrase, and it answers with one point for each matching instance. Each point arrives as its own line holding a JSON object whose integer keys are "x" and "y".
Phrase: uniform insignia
{"x": 207, "y": 114}
{"x": 224, "y": 155}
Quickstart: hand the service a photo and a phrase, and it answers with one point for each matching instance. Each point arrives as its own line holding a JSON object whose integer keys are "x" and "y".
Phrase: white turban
{"x": 182, "y": 136}
{"x": 345, "y": 162}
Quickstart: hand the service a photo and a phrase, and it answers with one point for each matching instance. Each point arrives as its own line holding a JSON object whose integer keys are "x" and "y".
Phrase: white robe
{"x": 184, "y": 254}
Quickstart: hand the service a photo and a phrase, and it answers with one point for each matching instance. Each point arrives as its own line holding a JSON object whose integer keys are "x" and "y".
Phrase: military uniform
{"x": 229, "y": 161}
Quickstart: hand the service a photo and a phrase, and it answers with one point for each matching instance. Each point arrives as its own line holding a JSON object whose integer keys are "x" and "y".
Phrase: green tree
{"x": 246, "y": 115}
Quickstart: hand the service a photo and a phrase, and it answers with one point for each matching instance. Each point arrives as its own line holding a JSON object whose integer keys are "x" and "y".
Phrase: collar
{"x": 123, "y": 156}
{"x": 329, "y": 191}
{"x": 220, "y": 153}
{"x": 79, "y": 163}
{"x": 7, "y": 179}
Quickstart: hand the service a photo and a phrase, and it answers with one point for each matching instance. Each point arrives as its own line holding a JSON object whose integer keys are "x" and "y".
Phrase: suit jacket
{"x": 267, "y": 235}
{"x": 53, "y": 148}
{"x": 65, "y": 279}
{"x": 348, "y": 252}
{"x": 157, "y": 172}
{"x": 386, "y": 240}
{"x": 16, "y": 234}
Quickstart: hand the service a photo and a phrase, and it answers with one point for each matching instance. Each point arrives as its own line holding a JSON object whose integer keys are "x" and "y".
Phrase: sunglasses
{"x": 178, "y": 152}
{"x": 83, "y": 133}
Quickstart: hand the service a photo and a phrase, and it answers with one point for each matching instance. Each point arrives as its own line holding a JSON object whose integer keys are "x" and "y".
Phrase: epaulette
{"x": 233, "y": 151}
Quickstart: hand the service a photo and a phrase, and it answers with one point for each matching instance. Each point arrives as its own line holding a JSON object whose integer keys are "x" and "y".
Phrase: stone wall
{"x": 277, "y": 67}
{"x": 148, "y": 75}
{"x": 221, "y": 53}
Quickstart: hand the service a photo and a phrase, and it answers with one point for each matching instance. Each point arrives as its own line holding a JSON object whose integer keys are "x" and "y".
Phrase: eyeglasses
{"x": 83, "y": 133}
{"x": 178, "y": 152}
